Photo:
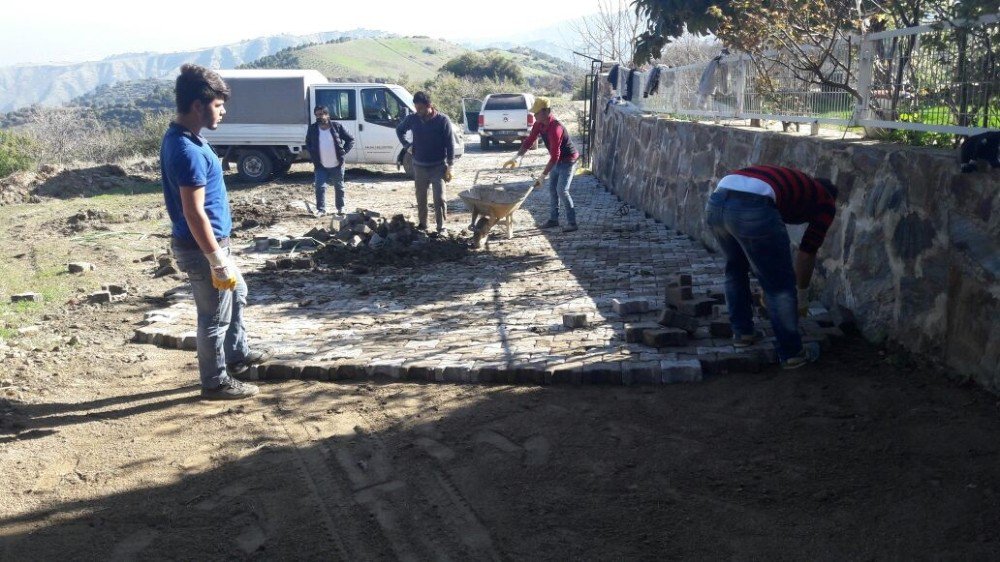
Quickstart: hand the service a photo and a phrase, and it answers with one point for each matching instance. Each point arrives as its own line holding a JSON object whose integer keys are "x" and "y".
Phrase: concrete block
{"x": 189, "y": 341}
{"x": 678, "y": 295}
{"x": 575, "y": 320}
{"x": 674, "y": 319}
{"x": 640, "y": 372}
{"x": 685, "y": 280}
{"x": 697, "y": 307}
{"x": 528, "y": 373}
{"x": 165, "y": 270}
{"x": 680, "y": 370}
{"x": 283, "y": 370}
{"x": 26, "y": 297}
{"x": 80, "y": 267}
{"x": 726, "y": 363}
{"x": 316, "y": 372}
{"x": 605, "y": 372}
{"x": 721, "y": 329}
{"x": 665, "y": 337}
{"x": 100, "y": 297}
{"x": 633, "y": 332}
{"x": 355, "y": 241}
{"x": 627, "y": 307}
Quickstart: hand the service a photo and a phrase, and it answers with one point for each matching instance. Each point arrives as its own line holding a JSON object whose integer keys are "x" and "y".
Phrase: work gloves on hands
{"x": 539, "y": 181}
{"x": 510, "y": 164}
{"x": 447, "y": 174}
{"x": 223, "y": 270}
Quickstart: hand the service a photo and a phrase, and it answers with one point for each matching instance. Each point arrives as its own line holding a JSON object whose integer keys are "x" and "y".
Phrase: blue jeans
{"x": 753, "y": 237}
{"x": 221, "y": 335}
{"x": 335, "y": 175}
{"x": 559, "y": 180}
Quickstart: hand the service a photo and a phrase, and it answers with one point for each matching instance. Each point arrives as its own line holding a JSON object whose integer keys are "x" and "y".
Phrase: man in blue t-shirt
{"x": 198, "y": 205}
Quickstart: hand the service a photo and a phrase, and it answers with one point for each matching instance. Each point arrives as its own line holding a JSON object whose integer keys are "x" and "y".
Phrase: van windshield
{"x": 506, "y": 101}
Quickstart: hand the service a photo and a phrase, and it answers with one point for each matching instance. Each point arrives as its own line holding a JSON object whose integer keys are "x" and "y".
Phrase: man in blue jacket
{"x": 328, "y": 142}
{"x": 433, "y": 150}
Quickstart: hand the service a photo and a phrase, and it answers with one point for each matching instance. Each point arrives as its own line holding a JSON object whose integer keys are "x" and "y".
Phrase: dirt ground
{"x": 106, "y": 452}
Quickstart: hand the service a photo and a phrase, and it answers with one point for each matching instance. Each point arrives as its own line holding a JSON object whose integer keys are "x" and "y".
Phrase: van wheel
{"x": 255, "y": 166}
{"x": 408, "y": 165}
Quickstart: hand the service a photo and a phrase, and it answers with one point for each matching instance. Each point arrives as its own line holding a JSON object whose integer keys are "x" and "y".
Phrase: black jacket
{"x": 343, "y": 142}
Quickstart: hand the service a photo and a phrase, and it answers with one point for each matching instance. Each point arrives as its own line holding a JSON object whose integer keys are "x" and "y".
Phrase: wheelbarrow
{"x": 494, "y": 197}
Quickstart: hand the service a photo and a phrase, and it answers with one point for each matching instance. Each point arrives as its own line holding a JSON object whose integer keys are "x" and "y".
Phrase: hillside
{"x": 401, "y": 59}
{"x": 53, "y": 85}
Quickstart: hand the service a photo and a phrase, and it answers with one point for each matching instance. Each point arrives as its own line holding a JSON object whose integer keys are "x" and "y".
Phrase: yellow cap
{"x": 540, "y": 104}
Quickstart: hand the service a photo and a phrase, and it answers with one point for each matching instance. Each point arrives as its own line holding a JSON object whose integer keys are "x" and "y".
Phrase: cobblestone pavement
{"x": 496, "y": 315}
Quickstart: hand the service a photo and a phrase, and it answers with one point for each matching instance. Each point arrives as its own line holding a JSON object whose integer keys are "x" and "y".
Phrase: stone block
{"x": 605, "y": 372}
{"x": 674, "y": 319}
{"x": 665, "y": 337}
{"x": 351, "y": 371}
{"x": 575, "y": 320}
{"x": 283, "y": 370}
{"x": 680, "y": 370}
{"x": 189, "y": 341}
{"x": 456, "y": 373}
{"x": 165, "y": 270}
{"x": 633, "y": 332}
{"x": 565, "y": 374}
{"x": 100, "y": 297}
{"x": 697, "y": 307}
{"x": 80, "y": 267}
{"x": 721, "y": 329}
{"x": 164, "y": 261}
{"x": 640, "y": 372}
{"x": 316, "y": 372}
{"x": 355, "y": 241}
{"x": 678, "y": 295}
{"x": 171, "y": 341}
{"x": 685, "y": 280}
{"x": 627, "y": 307}
{"x": 528, "y": 373}
{"x": 26, "y": 297}
{"x": 725, "y": 363}
{"x": 115, "y": 290}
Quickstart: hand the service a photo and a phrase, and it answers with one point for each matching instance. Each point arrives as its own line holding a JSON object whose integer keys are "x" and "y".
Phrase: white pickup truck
{"x": 504, "y": 118}
{"x": 268, "y": 112}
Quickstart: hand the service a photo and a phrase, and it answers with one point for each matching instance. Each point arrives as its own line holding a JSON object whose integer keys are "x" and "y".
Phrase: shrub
{"x": 447, "y": 91}
{"x": 478, "y": 66}
{"x": 16, "y": 153}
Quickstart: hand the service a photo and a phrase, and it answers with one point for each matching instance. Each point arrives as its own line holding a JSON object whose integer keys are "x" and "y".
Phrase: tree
{"x": 490, "y": 65}
{"x": 667, "y": 20}
{"x": 611, "y": 33}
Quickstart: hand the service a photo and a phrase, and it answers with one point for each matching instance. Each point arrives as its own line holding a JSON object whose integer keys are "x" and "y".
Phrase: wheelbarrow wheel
{"x": 482, "y": 230}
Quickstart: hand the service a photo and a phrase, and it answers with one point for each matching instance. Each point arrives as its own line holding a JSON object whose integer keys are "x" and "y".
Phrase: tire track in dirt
{"x": 372, "y": 507}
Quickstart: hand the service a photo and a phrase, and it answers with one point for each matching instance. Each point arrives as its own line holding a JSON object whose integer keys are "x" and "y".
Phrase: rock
{"x": 376, "y": 241}
{"x": 164, "y": 261}
{"x": 165, "y": 270}
{"x": 575, "y": 320}
{"x": 26, "y": 297}
{"x": 80, "y": 267}
{"x": 665, "y": 337}
{"x": 624, "y": 308}
{"x": 678, "y": 295}
{"x": 633, "y": 332}
{"x": 100, "y": 297}
{"x": 680, "y": 370}
{"x": 355, "y": 241}
{"x": 675, "y": 319}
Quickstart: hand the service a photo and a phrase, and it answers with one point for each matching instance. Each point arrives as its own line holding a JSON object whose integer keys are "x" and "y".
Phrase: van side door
{"x": 381, "y": 111}
{"x": 343, "y": 106}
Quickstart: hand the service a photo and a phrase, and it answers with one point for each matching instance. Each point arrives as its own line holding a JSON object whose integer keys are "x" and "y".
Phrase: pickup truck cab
{"x": 504, "y": 118}
{"x": 268, "y": 112}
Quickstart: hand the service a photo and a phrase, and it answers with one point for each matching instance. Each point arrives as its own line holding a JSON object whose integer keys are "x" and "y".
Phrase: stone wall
{"x": 913, "y": 251}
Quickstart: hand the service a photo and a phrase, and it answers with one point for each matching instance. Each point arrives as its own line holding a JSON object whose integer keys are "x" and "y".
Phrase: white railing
{"x": 941, "y": 78}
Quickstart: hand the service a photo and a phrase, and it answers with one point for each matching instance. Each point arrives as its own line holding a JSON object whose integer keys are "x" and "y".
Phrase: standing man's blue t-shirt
{"x": 187, "y": 159}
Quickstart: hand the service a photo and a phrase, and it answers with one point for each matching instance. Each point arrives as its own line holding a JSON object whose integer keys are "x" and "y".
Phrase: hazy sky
{"x": 81, "y": 30}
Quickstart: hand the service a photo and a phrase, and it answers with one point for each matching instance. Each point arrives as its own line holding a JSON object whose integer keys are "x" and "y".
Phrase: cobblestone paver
{"x": 497, "y": 315}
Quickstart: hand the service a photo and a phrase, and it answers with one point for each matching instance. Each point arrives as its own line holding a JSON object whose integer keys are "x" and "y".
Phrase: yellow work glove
{"x": 539, "y": 181}
{"x": 510, "y": 164}
{"x": 447, "y": 174}
{"x": 223, "y": 270}
{"x": 803, "y": 299}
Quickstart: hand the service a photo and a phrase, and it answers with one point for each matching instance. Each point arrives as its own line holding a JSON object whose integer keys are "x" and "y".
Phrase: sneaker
{"x": 252, "y": 358}
{"x": 340, "y": 214}
{"x": 232, "y": 389}
{"x": 320, "y": 213}
{"x": 571, "y": 228}
{"x": 421, "y": 227}
{"x": 550, "y": 224}
{"x": 809, "y": 354}
{"x": 746, "y": 340}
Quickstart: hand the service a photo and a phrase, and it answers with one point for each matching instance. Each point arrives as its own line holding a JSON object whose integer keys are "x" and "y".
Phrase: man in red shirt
{"x": 562, "y": 161}
{"x": 747, "y": 214}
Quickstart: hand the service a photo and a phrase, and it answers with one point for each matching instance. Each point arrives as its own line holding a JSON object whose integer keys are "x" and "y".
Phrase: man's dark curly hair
{"x": 198, "y": 83}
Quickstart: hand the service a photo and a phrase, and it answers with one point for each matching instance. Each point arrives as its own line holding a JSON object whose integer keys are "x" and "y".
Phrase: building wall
{"x": 912, "y": 254}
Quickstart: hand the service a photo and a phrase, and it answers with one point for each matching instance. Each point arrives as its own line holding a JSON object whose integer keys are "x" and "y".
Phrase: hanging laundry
{"x": 652, "y": 81}
{"x": 613, "y": 77}
{"x": 627, "y": 91}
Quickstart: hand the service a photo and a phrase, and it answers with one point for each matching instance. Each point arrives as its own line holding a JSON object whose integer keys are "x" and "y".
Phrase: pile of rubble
{"x": 365, "y": 238}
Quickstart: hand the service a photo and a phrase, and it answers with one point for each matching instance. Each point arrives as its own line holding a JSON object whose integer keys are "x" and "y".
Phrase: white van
{"x": 269, "y": 111}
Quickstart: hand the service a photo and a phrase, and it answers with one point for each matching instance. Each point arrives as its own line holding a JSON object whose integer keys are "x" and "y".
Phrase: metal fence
{"x": 940, "y": 77}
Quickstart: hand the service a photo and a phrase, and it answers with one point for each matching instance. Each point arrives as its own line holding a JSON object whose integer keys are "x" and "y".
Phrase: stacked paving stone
{"x": 499, "y": 315}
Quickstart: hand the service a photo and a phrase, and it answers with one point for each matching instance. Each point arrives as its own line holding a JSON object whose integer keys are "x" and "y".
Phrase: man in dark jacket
{"x": 433, "y": 150}
{"x": 328, "y": 142}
